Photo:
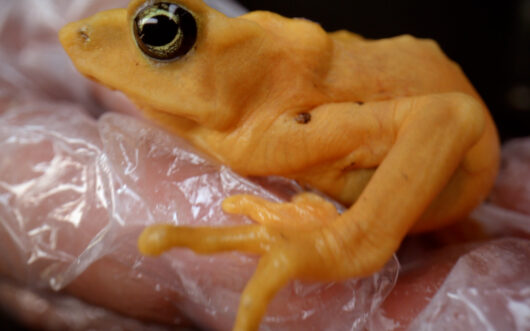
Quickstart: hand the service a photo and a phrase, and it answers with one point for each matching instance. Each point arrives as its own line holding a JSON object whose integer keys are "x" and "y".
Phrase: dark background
{"x": 489, "y": 39}
{"x": 9, "y": 324}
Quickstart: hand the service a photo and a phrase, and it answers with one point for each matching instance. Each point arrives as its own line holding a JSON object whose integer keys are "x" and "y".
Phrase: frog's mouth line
{"x": 189, "y": 118}
{"x": 170, "y": 121}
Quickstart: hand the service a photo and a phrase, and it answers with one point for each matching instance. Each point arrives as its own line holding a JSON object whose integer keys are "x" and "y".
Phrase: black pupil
{"x": 159, "y": 30}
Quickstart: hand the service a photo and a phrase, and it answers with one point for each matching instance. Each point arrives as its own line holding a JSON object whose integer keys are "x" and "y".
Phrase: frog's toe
{"x": 156, "y": 239}
{"x": 260, "y": 210}
{"x": 274, "y": 270}
{"x": 306, "y": 211}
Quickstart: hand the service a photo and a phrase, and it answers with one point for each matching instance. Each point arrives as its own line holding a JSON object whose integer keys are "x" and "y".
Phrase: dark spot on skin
{"x": 405, "y": 176}
{"x": 303, "y": 118}
{"x": 360, "y": 103}
{"x": 349, "y": 167}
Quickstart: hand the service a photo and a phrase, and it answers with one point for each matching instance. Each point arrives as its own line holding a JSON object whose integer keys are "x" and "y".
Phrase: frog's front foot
{"x": 302, "y": 246}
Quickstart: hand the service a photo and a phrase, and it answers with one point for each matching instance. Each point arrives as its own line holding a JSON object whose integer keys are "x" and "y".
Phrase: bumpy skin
{"x": 391, "y": 127}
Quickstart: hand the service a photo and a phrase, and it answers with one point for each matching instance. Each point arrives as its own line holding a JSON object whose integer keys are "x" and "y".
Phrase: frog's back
{"x": 369, "y": 70}
{"x": 347, "y": 67}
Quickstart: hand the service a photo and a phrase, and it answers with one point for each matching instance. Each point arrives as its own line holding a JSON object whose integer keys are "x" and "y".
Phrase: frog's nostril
{"x": 74, "y": 35}
{"x": 84, "y": 33}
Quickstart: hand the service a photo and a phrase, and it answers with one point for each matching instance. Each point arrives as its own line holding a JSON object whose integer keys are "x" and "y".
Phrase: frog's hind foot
{"x": 275, "y": 269}
{"x": 291, "y": 239}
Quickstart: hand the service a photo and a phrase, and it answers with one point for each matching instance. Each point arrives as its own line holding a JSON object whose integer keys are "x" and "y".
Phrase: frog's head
{"x": 180, "y": 58}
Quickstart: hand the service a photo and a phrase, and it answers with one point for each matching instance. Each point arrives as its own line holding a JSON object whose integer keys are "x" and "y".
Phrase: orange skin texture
{"x": 390, "y": 127}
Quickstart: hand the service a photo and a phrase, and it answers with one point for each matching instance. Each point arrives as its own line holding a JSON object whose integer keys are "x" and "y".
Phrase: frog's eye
{"x": 164, "y": 30}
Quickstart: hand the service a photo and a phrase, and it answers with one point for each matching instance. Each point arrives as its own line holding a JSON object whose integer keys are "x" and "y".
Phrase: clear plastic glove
{"x": 75, "y": 192}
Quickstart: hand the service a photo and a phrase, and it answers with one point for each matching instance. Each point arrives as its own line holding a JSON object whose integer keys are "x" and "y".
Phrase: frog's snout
{"x": 97, "y": 45}
{"x": 94, "y": 33}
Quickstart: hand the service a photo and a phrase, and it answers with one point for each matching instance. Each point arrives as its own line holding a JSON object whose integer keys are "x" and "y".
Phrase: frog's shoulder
{"x": 299, "y": 44}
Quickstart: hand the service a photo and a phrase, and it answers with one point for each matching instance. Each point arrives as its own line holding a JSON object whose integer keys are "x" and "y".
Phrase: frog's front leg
{"x": 433, "y": 135}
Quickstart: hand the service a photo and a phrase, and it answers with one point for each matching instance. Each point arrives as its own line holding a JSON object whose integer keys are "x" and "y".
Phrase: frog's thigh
{"x": 306, "y": 211}
{"x": 468, "y": 186}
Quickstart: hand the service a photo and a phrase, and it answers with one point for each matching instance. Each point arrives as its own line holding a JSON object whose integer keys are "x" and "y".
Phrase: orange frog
{"x": 389, "y": 127}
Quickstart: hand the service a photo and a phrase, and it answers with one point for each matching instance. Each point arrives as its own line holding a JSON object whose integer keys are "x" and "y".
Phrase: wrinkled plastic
{"x": 471, "y": 298}
{"x": 468, "y": 286}
{"x": 511, "y": 190}
{"x": 75, "y": 192}
{"x": 45, "y": 310}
